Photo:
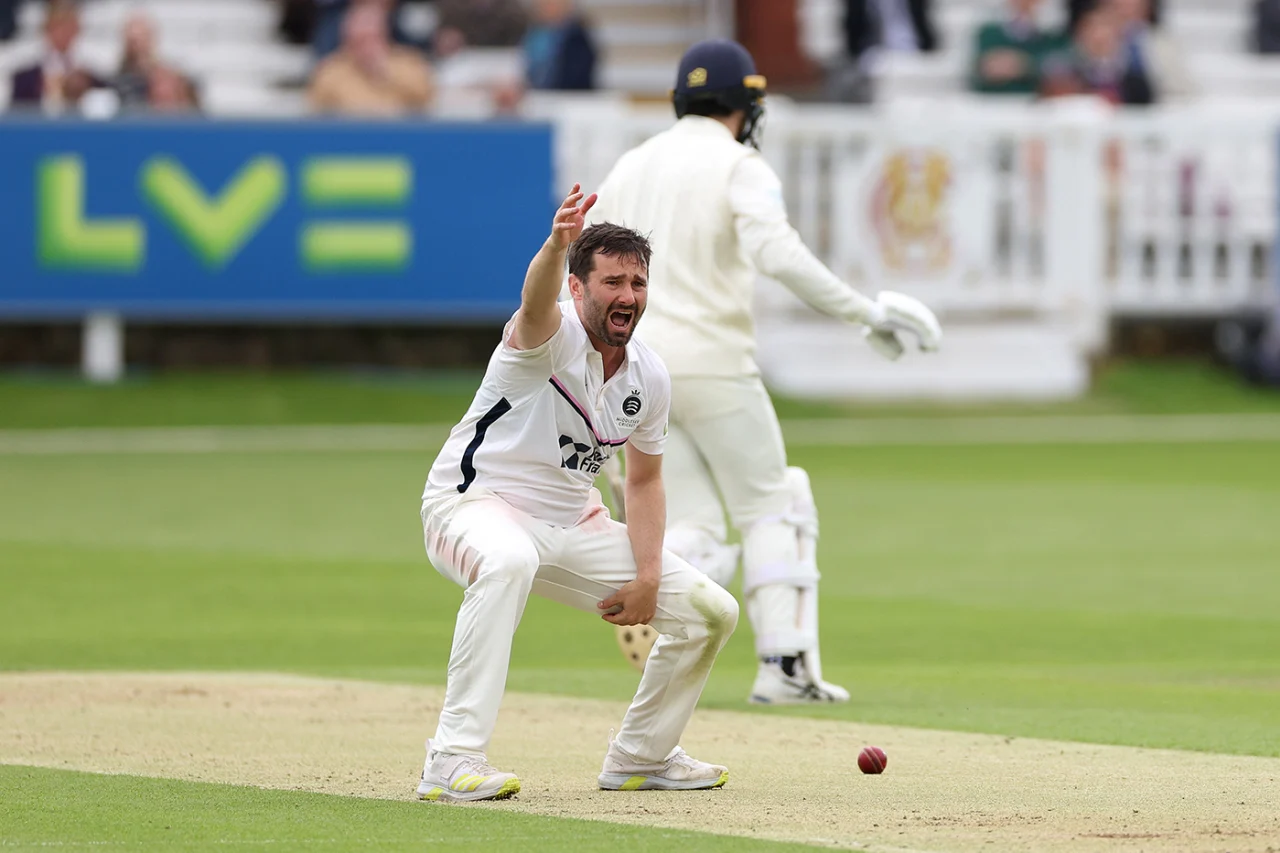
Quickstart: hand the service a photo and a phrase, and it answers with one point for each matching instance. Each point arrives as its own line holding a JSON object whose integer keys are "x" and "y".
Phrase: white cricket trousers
{"x": 500, "y": 554}
{"x": 724, "y": 450}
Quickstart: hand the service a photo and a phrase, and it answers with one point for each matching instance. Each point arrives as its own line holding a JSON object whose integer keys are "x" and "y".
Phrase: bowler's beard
{"x": 596, "y": 321}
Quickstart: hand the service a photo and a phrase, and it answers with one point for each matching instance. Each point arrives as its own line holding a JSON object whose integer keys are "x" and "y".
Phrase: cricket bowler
{"x": 714, "y": 213}
{"x": 510, "y": 509}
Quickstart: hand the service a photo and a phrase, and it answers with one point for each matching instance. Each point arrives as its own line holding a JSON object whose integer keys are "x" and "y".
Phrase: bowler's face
{"x": 613, "y": 298}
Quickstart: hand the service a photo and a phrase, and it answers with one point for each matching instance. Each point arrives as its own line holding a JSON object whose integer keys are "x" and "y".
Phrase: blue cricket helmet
{"x": 719, "y": 75}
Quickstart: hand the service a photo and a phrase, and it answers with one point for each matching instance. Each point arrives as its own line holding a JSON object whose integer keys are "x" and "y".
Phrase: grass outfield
{"x": 44, "y": 400}
{"x": 1108, "y": 593}
{"x": 1118, "y": 594}
{"x": 161, "y": 814}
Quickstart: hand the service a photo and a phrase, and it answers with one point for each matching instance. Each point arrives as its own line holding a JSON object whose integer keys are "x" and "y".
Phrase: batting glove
{"x": 903, "y": 315}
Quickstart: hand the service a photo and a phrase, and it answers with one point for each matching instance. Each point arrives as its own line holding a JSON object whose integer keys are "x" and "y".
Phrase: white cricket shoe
{"x": 775, "y": 687}
{"x": 463, "y": 778}
{"x": 678, "y": 772}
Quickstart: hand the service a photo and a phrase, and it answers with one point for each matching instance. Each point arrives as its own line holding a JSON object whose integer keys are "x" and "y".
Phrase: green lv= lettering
{"x": 216, "y": 229}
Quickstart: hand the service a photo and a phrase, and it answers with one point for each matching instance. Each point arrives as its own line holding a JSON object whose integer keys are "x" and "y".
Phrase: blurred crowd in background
{"x": 366, "y": 61}
{"x": 1117, "y": 49}
{"x": 367, "y": 64}
{"x": 61, "y": 79}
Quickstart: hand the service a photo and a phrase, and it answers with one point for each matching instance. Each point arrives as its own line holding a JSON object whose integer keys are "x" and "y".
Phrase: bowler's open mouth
{"x": 620, "y": 320}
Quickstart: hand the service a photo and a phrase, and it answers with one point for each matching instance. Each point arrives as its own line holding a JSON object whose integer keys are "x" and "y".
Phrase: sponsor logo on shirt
{"x": 577, "y": 456}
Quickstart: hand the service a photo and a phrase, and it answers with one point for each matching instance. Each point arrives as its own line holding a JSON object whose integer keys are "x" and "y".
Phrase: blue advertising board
{"x": 256, "y": 220}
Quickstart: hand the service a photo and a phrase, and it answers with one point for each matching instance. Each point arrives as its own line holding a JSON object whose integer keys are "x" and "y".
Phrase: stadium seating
{"x": 244, "y": 69}
{"x": 1212, "y": 34}
{"x": 229, "y": 45}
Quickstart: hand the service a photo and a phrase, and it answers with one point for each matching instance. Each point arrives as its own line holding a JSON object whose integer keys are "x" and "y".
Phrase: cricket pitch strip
{"x": 791, "y": 781}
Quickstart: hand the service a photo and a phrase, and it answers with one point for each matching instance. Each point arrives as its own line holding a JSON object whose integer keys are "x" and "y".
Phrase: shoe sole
{"x": 757, "y": 699}
{"x": 440, "y": 794}
{"x": 640, "y": 782}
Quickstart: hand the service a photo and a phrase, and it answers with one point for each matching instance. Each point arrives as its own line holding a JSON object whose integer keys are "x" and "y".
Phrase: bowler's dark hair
{"x": 616, "y": 241}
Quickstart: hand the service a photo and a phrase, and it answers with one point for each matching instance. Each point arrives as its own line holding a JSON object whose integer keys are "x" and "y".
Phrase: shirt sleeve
{"x": 527, "y": 369}
{"x": 651, "y": 435}
{"x": 776, "y": 250}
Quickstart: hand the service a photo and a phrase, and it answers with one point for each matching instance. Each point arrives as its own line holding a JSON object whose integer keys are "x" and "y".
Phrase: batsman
{"x": 714, "y": 212}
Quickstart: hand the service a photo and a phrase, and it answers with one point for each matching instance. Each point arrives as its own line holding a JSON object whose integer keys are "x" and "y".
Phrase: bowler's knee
{"x": 512, "y": 565}
{"x": 719, "y": 610}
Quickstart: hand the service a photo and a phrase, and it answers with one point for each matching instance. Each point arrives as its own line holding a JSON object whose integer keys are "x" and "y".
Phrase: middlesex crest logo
{"x": 696, "y": 78}
{"x": 631, "y": 407}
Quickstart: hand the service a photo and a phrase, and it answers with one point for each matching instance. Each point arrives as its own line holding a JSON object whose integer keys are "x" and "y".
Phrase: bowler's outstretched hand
{"x": 539, "y": 315}
{"x": 571, "y": 218}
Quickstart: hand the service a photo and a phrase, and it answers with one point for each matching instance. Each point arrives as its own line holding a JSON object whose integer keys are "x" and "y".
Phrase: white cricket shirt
{"x": 544, "y": 421}
{"x": 714, "y": 213}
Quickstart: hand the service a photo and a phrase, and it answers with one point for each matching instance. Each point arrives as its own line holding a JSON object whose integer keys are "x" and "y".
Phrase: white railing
{"x": 1064, "y": 209}
{"x": 1193, "y": 212}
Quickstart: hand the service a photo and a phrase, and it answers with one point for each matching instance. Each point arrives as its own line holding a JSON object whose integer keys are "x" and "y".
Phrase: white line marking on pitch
{"x": 1037, "y": 429}
{"x": 1069, "y": 429}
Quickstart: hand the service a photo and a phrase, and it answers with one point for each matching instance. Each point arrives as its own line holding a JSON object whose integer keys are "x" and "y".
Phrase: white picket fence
{"x": 1195, "y": 221}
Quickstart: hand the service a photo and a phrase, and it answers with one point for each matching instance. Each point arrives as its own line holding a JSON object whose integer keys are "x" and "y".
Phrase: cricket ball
{"x": 872, "y": 759}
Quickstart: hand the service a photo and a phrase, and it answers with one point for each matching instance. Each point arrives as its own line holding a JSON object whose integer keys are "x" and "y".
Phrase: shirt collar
{"x": 703, "y": 125}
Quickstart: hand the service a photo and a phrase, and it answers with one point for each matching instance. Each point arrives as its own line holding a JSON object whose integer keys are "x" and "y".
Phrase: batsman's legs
{"x": 696, "y": 529}
{"x": 732, "y": 424}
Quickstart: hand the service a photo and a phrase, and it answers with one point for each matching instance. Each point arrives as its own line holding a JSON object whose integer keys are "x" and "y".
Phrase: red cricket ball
{"x": 872, "y": 759}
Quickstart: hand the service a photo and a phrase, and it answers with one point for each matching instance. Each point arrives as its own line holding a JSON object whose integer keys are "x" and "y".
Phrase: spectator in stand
{"x": 368, "y": 75}
{"x": 141, "y": 67}
{"x": 1152, "y": 52}
{"x": 559, "y": 53}
{"x": 1076, "y": 8}
{"x": 169, "y": 91}
{"x": 138, "y": 61}
{"x": 142, "y": 72}
{"x": 58, "y": 80}
{"x": 871, "y": 26}
{"x": 8, "y": 18}
{"x": 1096, "y": 63}
{"x": 297, "y": 24}
{"x": 898, "y": 25}
{"x": 478, "y": 23}
{"x": 328, "y": 15}
{"x": 1266, "y": 26}
{"x": 1007, "y": 54}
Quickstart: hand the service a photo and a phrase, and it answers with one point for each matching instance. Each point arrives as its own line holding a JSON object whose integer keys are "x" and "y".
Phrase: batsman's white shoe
{"x": 463, "y": 779}
{"x": 779, "y": 683}
{"x": 679, "y": 772}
